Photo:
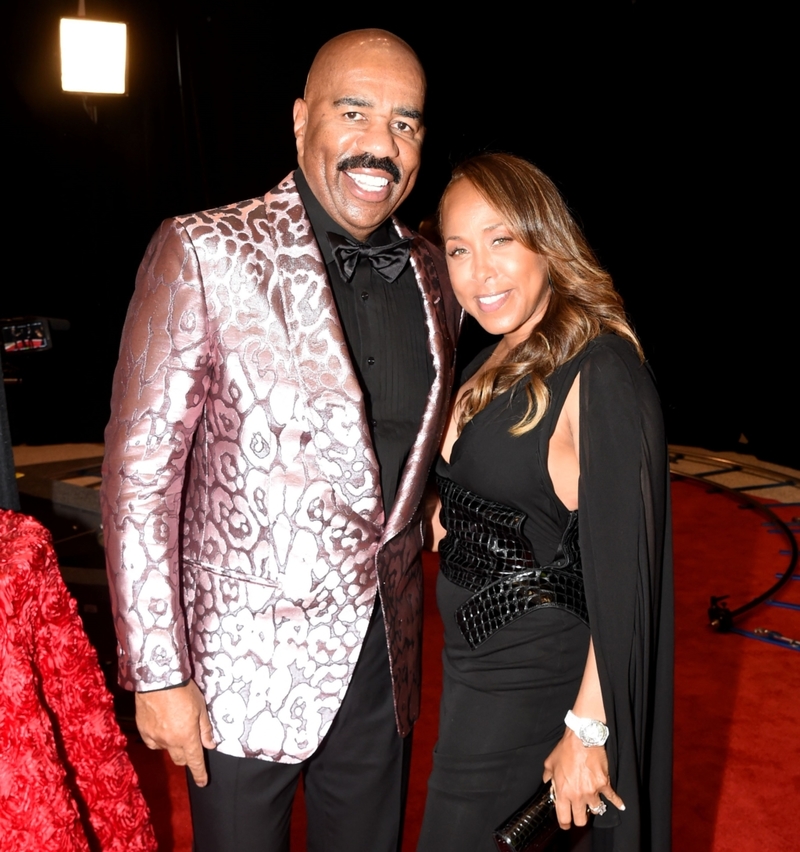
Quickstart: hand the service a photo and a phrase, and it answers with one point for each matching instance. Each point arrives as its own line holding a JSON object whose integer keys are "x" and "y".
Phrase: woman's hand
{"x": 578, "y": 775}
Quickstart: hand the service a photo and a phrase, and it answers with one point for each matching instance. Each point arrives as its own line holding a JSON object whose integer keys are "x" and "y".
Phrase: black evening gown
{"x": 503, "y": 703}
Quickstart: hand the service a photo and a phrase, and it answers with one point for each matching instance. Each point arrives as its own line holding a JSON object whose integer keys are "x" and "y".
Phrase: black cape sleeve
{"x": 625, "y": 541}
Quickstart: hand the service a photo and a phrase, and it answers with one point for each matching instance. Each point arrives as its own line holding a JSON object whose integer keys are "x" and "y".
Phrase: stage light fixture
{"x": 93, "y": 56}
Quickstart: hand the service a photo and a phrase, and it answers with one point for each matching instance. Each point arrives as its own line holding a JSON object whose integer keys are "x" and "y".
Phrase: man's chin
{"x": 361, "y": 217}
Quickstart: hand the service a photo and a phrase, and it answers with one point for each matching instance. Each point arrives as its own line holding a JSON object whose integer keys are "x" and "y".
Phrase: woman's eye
{"x": 458, "y": 250}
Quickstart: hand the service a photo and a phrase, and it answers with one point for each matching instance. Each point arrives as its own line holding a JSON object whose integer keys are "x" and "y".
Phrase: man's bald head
{"x": 359, "y": 127}
{"x": 384, "y": 45}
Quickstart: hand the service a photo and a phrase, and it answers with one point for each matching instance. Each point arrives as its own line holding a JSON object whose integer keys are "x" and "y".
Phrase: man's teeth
{"x": 368, "y": 182}
{"x": 490, "y": 300}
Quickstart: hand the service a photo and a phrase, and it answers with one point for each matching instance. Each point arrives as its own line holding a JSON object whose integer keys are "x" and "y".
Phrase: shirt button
{"x": 365, "y": 296}
{"x": 374, "y": 423}
{"x": 370, "y": 361}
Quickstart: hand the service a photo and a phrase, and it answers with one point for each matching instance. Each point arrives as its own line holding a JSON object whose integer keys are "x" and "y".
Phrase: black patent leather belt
{"x": 486, "y": 552}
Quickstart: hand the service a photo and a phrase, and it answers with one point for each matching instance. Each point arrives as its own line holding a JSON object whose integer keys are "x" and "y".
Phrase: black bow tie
{"x": 388, "y": 261}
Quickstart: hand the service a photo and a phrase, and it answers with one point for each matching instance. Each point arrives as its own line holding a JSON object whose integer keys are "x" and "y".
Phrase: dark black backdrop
{"x": 666, "y": 129}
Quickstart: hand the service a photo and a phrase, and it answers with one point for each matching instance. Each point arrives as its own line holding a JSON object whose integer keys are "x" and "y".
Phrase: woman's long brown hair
{"x": 583, "y": 302}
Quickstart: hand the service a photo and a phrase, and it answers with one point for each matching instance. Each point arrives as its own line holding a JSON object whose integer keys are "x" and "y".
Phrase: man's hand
{"x": 177, "y": 720}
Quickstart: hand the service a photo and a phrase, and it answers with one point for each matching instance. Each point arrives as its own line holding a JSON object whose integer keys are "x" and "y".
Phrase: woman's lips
{"x": 495, "y": 301}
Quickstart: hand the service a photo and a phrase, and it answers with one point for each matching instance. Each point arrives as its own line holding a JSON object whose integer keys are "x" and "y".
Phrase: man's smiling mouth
{"x": 375, "y": 164}
{"x": 369, "y": 183}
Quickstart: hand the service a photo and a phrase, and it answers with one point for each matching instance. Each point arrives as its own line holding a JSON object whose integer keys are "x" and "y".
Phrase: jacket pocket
{"x": 212, "y": 595}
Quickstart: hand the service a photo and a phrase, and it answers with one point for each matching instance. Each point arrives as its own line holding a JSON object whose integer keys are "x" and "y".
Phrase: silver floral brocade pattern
{"x": 243, "y": 522}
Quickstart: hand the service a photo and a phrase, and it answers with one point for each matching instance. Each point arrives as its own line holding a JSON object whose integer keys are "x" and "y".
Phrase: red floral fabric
{"x": 66, "y": 782}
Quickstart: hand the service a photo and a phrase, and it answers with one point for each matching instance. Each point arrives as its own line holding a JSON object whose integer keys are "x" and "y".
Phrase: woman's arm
{"x": 579, "y": 773}
{"x": 432, "y": 527}
{"x": 433, "y": 531}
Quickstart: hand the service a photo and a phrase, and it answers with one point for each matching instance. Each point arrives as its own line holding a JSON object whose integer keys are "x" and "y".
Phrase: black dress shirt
{"x": 384, "y": 325}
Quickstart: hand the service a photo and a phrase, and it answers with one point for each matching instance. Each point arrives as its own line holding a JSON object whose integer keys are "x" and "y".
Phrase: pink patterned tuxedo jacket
{"x": 243, "y": 519}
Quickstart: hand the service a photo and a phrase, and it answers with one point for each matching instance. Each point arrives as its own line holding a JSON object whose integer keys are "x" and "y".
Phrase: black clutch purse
{"x": 532, "y": 827}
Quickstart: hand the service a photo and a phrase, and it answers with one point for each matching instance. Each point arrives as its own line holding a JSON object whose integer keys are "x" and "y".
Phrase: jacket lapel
{"x": 441, "y": 347}
{"x": 328, "y": 388}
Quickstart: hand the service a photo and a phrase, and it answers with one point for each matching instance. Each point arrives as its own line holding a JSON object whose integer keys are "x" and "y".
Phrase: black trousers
{"x": 354, "y": 784}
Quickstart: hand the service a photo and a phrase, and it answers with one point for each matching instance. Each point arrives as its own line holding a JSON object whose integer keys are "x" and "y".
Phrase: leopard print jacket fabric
{"x": 244, "y": 527}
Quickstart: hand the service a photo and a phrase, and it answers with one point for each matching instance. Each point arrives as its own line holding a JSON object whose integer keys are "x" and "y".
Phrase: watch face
{"x": 594, "y": 733}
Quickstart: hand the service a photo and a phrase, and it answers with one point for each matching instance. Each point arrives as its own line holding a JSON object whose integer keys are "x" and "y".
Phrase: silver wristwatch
{"x": 591, "y": 732}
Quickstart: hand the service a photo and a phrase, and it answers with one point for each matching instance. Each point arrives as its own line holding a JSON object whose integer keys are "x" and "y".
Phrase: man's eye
{"x": 352, "y": 116}
{"x": 403, "y": 127}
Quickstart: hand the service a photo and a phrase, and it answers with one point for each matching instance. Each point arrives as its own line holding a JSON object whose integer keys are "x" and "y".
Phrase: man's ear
{"x": 300, "y": 116}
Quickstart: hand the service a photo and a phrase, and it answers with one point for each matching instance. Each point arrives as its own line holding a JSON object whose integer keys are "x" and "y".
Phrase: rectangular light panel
{"x": 93, "y": 55}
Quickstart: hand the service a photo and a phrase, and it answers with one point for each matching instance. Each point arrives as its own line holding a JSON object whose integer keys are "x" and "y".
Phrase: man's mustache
{"x": 369, "y": 161}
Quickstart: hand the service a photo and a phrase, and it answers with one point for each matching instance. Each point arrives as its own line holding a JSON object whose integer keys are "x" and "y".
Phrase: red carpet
{"x": 737, "y": 755}
{"x": 737, "y": 752}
